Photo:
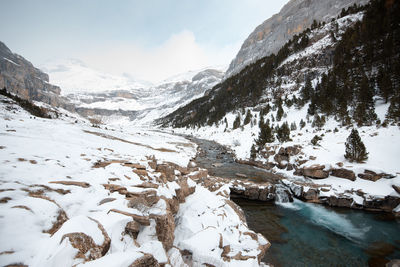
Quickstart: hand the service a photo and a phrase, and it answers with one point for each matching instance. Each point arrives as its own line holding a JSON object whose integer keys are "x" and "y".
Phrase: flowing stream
{"x": 305, "y": 234}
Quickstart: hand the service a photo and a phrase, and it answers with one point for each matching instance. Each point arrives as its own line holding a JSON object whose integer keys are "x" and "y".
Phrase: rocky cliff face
{"x": 20, "y": 77}
{"x": 295, "y": 17}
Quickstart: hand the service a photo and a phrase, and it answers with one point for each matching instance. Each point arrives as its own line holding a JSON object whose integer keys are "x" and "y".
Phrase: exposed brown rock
{"x": 221, "y": 241}
{"x": 22, "y": 207}
{"x": 340, "y": 201}
{"x": 147, "y": 260}
{"x": 173, "y": 204}
{"x": 311, "y": 194}
{"x": 165, "y": 227}
{"x": 147, "y": 185}
{"x": 5, "y": 199}
{"x": 240, "y": 257}
{"x": 103, "y": 164}
{"x": 167, "y": 170}
{"x": 81, "y": 184}
{"x": 184, "y": 189}
{"x": 134, "y": 165}
{"x": 7, "y": 252}
{"x": 47, "y": 189}
{"x": 106, "y": 200}
{"x": 143, "y": 220}
{"x": 107, "y": 240}
{"x": 61, "y": 219}
{"x": 115, "y": 188}
{"x": 87, "y": 249}
{"x": 316, "y": 172}
{"x": 292, "y": 150}
{"x": 132, "y": 228}
{"x": 200, "y": 174}
{"x": 141, "y": 172}
{"x": 370, "y": 175}
{"x": 225, "y": 251}
{"x": 144, "y": 200}
{"x": 252, "y": 192}
{"x": 152, "y": 162}
{"x": 344, "y": 173}
{"x": 396, "y": 188}
{"x": 7, "y": 189}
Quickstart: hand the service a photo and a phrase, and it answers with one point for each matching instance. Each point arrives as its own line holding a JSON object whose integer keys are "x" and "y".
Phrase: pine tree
{"x": 302, "y": 124}
{"x": 364, "y": 114}
{"x": 393, "y": 113}
{"x": 279, "y": 113}
{"x": 355, "y": 148}
{"x": 307, "y": 90}
{"x": 283, "y": 133}
{"x": 248, "y": 118}
{"x": 266, "y": 135}
{"x": 293, "y": 126}
{"x": 236, "y": 123}
{"x": 253, "y": 152}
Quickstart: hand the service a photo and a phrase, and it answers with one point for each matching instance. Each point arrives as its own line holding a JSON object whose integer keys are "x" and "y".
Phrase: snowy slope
{"x": 72, "y": 205}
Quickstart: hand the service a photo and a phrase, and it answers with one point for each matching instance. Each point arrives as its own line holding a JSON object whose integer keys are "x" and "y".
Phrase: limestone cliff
{"x": 20, "y": 77}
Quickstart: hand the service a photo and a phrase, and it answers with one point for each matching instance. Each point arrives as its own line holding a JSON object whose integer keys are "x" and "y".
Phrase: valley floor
{"x": 73, "y": 194}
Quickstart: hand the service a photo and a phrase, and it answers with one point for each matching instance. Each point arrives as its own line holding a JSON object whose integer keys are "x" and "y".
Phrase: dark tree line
{"x": 366, "y": 64}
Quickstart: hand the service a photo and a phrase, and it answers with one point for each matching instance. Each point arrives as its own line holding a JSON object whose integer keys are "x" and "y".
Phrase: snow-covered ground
{"x": 68, "y": 191}
{"x": 382, "y": 144}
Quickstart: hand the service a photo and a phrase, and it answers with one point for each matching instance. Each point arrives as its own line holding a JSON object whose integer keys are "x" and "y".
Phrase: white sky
{"x": 149, "y": 40}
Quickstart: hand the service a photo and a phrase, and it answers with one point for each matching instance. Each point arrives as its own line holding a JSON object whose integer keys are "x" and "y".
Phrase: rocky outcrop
{"x": 294, "y": 17}
{"x": 316, "y": 172}
{"x": 147, "y": 260}
{"x": 20, "y": 77}
{"x": 344, "y": 173}
{"x": 373, "y": 176}
{"x": 322, "y": 194}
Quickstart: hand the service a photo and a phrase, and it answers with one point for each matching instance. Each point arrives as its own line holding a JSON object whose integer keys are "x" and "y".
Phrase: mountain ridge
{"x": 272, "y": 34}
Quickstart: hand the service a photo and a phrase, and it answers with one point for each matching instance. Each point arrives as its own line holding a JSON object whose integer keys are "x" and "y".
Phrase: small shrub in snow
{"x": 355, "y": 148}
{"x": 283, "y": 133}
{"x": 266, "y": 135}
{"x": 248, "y": 118}
{"x": 302, "y": 124}
{"x": 316, "y": 140}
{"x": 236, "y": 123}
{"x": 293, "y": 126}
{"x": 253, "y": 152}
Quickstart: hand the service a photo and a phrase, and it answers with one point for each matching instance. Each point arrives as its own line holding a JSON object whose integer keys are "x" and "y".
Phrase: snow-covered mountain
{"x": 294, "y": 17}
{"x": 112, "y": 98}
{"x": 74, "y": 76}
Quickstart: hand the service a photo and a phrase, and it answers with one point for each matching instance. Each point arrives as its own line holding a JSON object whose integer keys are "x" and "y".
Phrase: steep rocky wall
{"x": 295, "y": 17}
{"x": 20, "y": 77}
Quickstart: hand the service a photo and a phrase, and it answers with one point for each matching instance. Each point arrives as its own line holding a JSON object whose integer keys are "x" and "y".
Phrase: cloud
{"x": 178, "y": 54}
